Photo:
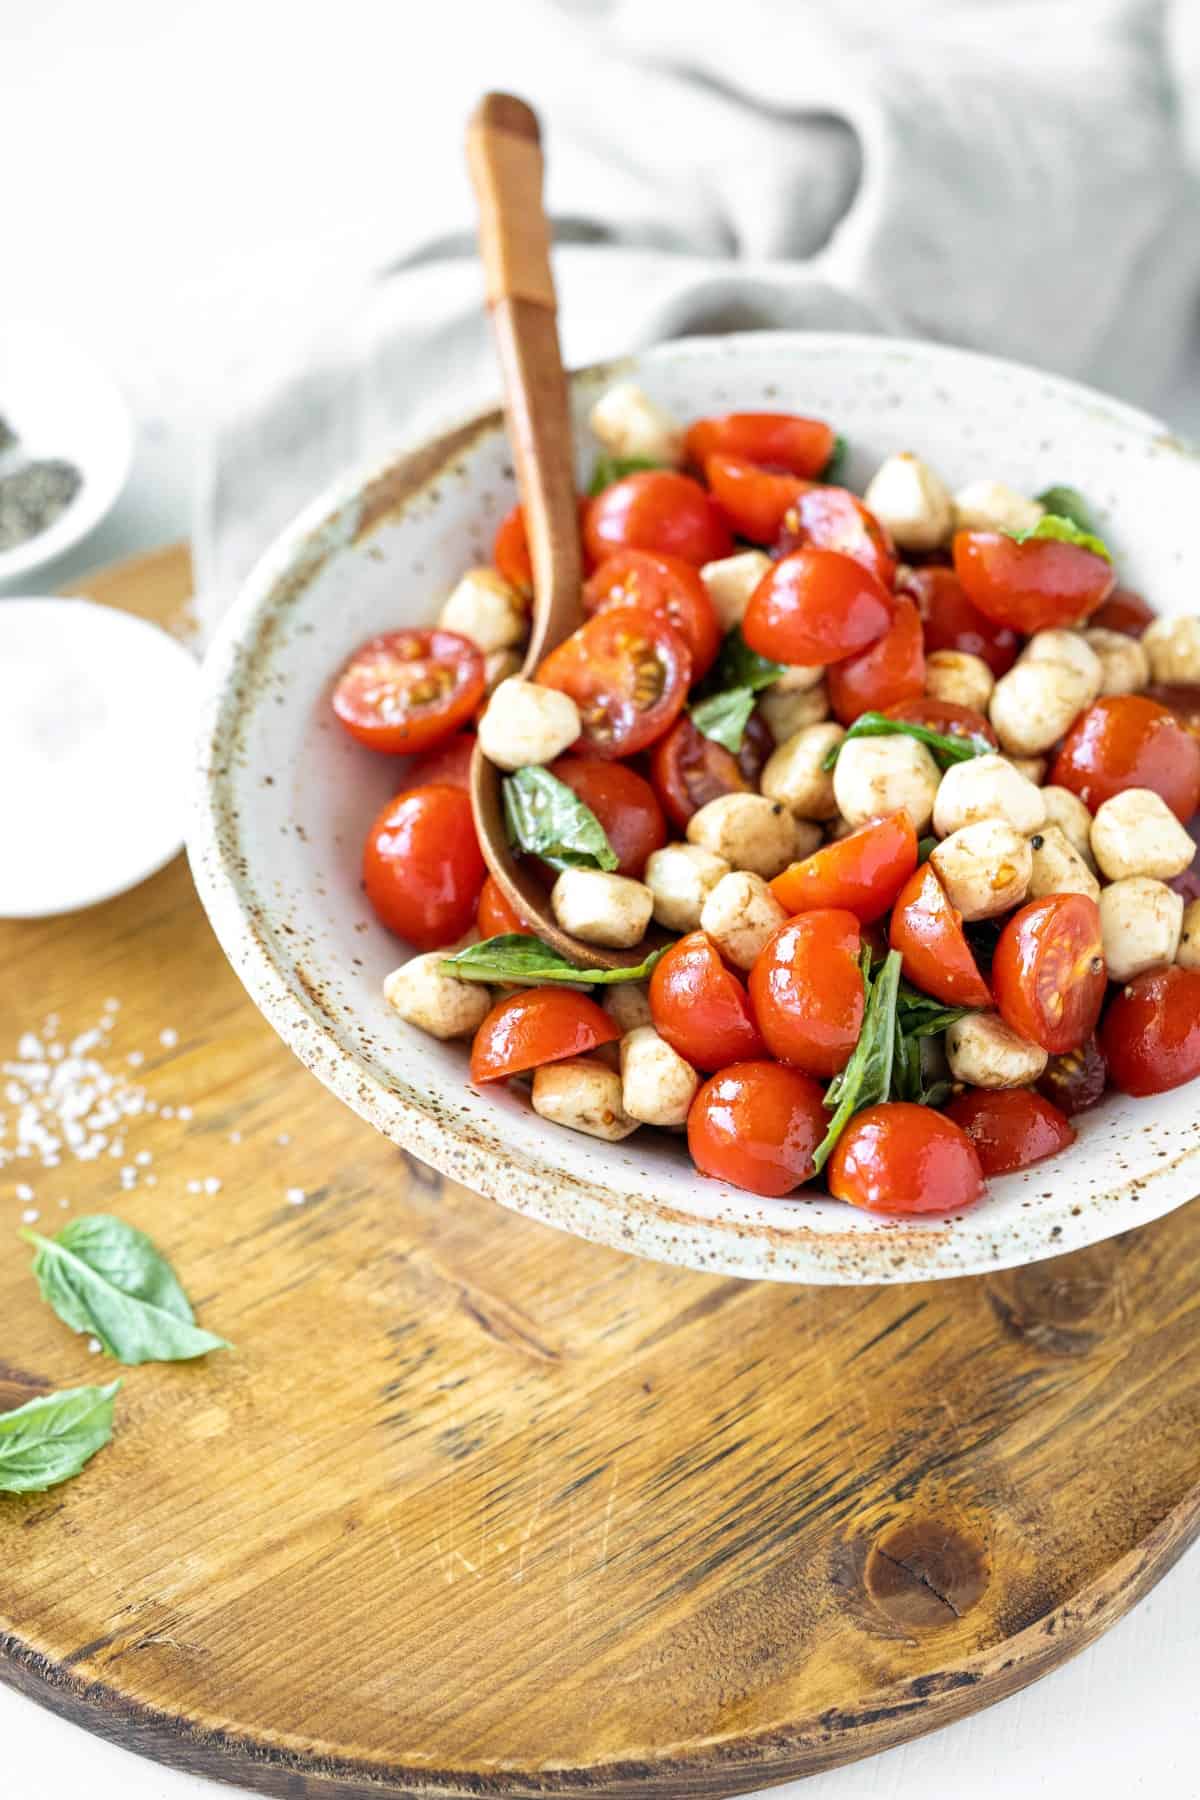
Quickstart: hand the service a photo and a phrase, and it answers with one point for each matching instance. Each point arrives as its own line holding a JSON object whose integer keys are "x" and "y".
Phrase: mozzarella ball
{"x": 584, "y": 1096}
{"x": 1136, "y": 833}
{"x": 1035, "y": 704}
{"x": 1072, "y": 648}
{"x": 987, "y": 787}
{"x": 1173, "y": 647}
{"x": 657, "y": 1085}
{"x": 984, "y": 868}
{"x": 730, "y": 582}
{"x": 498, "y": 665}
{"x": 488, "y": 610}
{"x": 752, "y": 832}
{"x": 1124, "y": 665}
{"x": 629, "y": 424}
{"x": 739, "y": 915}
{"x": 1067, "y": 811}
{"x": 911, "y": 501}
{"x": 984, "y": 1051}
{"x": 1188, "y": 954}
{"x": 991, "y": 506}
{"x": 788, "y": 712}
{"x": 438, "y": 1003}
{"x": 1033, "y": 768}
{"x": 798, "y": 678}
{"x": 1140, "y": 925}
{"x": 601, "y": 908}
{"x": 1058, "y": 867}
{"x": 526, "y": 723}
{"x": 794, "y": 774}
{"x": 680, "y": 878}
{"x": 883, "y": 774}
{"x": 959, "y": 677}
{"x": 627, "y": 1004}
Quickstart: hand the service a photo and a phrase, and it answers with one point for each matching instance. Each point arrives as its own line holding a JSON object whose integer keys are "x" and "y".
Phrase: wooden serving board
{"x": 476, "y": 1508}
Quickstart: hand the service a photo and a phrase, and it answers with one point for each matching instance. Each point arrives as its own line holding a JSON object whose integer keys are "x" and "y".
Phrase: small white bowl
{"x": 283, "y": 799}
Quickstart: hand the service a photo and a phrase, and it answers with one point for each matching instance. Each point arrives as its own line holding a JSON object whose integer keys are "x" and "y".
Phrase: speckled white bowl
{"x": 283, "y": 799}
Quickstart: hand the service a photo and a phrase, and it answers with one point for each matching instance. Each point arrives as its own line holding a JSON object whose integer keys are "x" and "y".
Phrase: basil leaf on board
{"x": 545, "y": 818}
{"x": 724, "y": 717}
{"x": 515, "y": 956}
{"x": 49, "y": 1439}
{"x": 867, "y": 1077}
{"x": 739, "y": 666}
{"x": 835, "y": 468}
{"x": 1068, "y": 503}
{"x": 947, "y": 748}
{"x": 615, "y": 468}
{"x": 105, "y": 1277}
{"x": 1064, "y": 531}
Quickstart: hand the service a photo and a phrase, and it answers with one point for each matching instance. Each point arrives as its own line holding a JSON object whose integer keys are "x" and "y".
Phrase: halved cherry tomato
{"x": 945, "y": 716}
{"x": 889, "y": 673}
{"x": 1076, "y": 1080}
{"x": 510, "y": 547}
{"x": 1124, "y": 611}
{"x": 1010, "y": 1127}
{"x": 952, "y": 623}
{"x": 407, "y": 690}
{"x": 816, "y": 606}
{"x": 832, "y": 518}
{"x": 1034, "y": 585}
{"x": 701, "y": 1007}
{"x": 1125, "y": 741}
{"x": 901, "y": 1158}
{"x": 625, "y": 804}
{"x": 540, "y": 1025}
{"x": 422, "y": 866}
{"x": 657, "y": 510}
{"x": 754, "y": 500}
{"x": 861, "y": 874}
{"x": 450, "y": 762}
{"x": 806, "y": 988}
{"x": 1048, "y": 973}
{"x": 662, "y": 584}
{"x": 628, "y": 671}
{"x": 689, "y": 769}
{"x": 928, "y": 933}
{"x": 1151, "y": 1031}
{"x": 756, "y": 1125}
{"x": 773, "y": 440}
{"x": 495, "y": 917}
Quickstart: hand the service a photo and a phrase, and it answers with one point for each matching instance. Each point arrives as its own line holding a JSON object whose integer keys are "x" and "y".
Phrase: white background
{"x": 181, "y": 184}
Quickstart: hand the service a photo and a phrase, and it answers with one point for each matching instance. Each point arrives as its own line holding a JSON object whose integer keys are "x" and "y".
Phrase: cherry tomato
{"x": 628, "y": 672}
{"x": 689, "y": 769}
{"x": 701, "y": 1007}
{"x": 422, "y": 866}
{"x": 901, "y": 1158}
{"x": 407, "y": 690}
{"x": 450, "y": 762}
{"x": 952, "y": 623}
{"x": 928, "y": 933}
{"x": 495, "y": 917}
{"x": 1048, "y": 973}
{"x": 1031, "y": 586}
{"x": 1125, "y": 741}
{"x": 832, "y": 518}
{"x": 945, "y": 716}
{"x": 1182, "y": 701}
{"x": 661, "y": 584}
{"x": 537, "y": 1026}
{"x": 861, "y": 874}
{"x": 1151, "y": 1031}
{"x": 816, "y": 606}
{"x": 1010, "y": 1127}
{"x": 753, "y": 500}
{"x": 1075, "y": 1081}
{"x": 510, "y": 548}
{"x": 806, "y": 988}
{"x": 656, "y": 510}
{"x": 773, "y": 440}
{"x": 756, "y": 1125}
{"x": 1124, "y": 611}
{"x": 891, "y": 672}
{"x": 625, "y": 804}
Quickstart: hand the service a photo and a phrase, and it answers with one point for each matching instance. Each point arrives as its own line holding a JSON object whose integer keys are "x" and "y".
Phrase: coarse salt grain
{"x": 95, "y": 1346}
{"x": 168, "y": 1038}
{"x": 30, "y": 1216}
{"x": 193, "y": 1187}
{"x": 211, "y": 1184}
{"x": 24, "y": 1191}
{"x": 296, "y": 1196}
{"x": 284, "y": 1138}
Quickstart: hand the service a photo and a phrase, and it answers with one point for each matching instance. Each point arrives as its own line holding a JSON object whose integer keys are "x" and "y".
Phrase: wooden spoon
{"x": 505, "y": 158}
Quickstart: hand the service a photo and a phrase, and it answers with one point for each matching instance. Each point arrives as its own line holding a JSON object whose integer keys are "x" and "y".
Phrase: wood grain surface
{"x": 473, "y": 1507}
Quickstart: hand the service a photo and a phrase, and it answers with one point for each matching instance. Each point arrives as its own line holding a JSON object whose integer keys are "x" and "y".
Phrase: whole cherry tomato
{"x": 832, "y": 518}
{"x": 756, "y": 1125}
{"x": 1048, "y": 973}
{"x": 773, "y": 440}
{"x": 1034, "y": 585}
{"x": 753, "y": 499}
{"x": 1010, "y": 1127}
{"x": 656, "y": 510}
{"x": 628, "y": 672}
{"x": 806, "y": 988}
{"x": 408, "y": 690}
{"x": 901, "y": 1158}
{"x": 625, "y": 804}
{"x": 1126, "y": 741}
{"x": 1151, "y": 1031}
{"x": 422, "y": 866}
{"x": 945, "y": 716}
{"x": 861, "y": 874}
{"x": 816, "y": 606}
{"x": 510, "y": 548}
{"x": 928, "y": 933}
{"x": 495, "y": 917}
{"x": 1076, "y": 1080}
{"x": 661, "y": 584}
{"x": 689, "y": 769}
{"x": 890, "y": 672}
{"x": 450, "y": 762}
{"x": 701, "y": 1007}
{"x": 1124, "y": 611}
{"x": 539, "y": 1025}
{"x": 952, "y": 623}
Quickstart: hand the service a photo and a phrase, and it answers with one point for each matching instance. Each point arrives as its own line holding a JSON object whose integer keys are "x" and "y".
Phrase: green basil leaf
{"x": 925, "y": 849}
{"x": 105, "y": 1277}
{"x": 1064, "y": 531}
{"x": 515, "y": 956}
{"x": 48, "y": 1440}
{"x": 920, "y": 1016}
{"x": 615, "y": 468}
{"x": 835, "y": 468}
{"x": 1068, "y": 503}
{"x": 724, "y": 717}
{"x": 546, "y": 819}
{"x": 738, "y": 666}
{"x": 867, "y": 1077}
{"x": 906, "y": 1068}
{"x": 947, "y": 748}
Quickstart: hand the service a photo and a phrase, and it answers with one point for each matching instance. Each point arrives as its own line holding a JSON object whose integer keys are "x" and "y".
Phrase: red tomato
{"x": 806, "y": 988}
{"x": 422, "y": 866}
{"x": 701, "y": 1007}
{"x": 832, "y": 518}
{"x": 861, "y": 874}
{"x": 510, "y": 548}
{"x": 1030, "y": 586}
{"x": 1011, "y": 1127}
{"x": 495, "y": 917}
{"x": 628, "y": 672}
{"x": 625, "y": 804}
{"x": 656, "y": 510}
{"x": 928, "y": 933}
{"x": 753, "y": 500}
{"x": 1048, "y": 973}
{"x": 661, "y": 584}
{"x": 537, "y": 1026}
{"x": 1124, "y": 611}
{"x": 900, "y": 1158}
{"x": 945, "y": 716}
{"x": 1075, "y": 1081}
{"x": 407, "y": 690}
{"x": 1126, "y": 741}
{"x": 1151, "y": 1032}
{"x": 816, "y": 606}
{"x": 773, "y": 440}
{"x": 689, "y": 769}
{"x": 450, "y": 762}
{"x": 952, "y": 623}
{"x": 756, "y": 1125}
{"x": 890, "y": 673}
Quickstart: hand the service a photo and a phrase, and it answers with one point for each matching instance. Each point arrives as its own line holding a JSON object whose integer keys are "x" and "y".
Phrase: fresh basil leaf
{"x": 1068, "y": 503}
{"x": 867, "y": 1077}
{"x": 724, "y": 717}
{"x": 546, "y": 819}
{"x": 49, "y": 1439}
{"x": 739, "y": 666}
{"x": 515, "y": 956}
{"x": 1064, "y": 531}
{"x": 906, "y": 1068}
{"x": 835, "y": 468}
{"x": 947, "y": 748}
{"x": 936, "y": 1094}
{"x": 105, "y": 1277}
{"x": 615, "y": 468}
{"x": 925, "y": 849}
{"x": 919, "y": 1016}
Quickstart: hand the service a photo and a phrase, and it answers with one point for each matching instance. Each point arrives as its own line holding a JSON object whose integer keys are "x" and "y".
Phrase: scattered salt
{"x": 24, "y": 1191}
{"x": 95, "y": 1346}
{"x": 30, "y": 1216}
{"x": 211, "y": 1184}
{"x": 183, "y": 1112}
{"x": 194, "y": 1187}
{"x": 285, "y": 1137}
{"x": 136, "y": 1058}
{"x": 235, "y": 1137}
{"x": 168, "y": 1038}
{"x": 143, "y": 1158}
{"x": 296, "y": 1196}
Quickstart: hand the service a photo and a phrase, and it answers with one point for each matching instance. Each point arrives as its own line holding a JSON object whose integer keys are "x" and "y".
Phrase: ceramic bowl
{"x": 283, "y": 799}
